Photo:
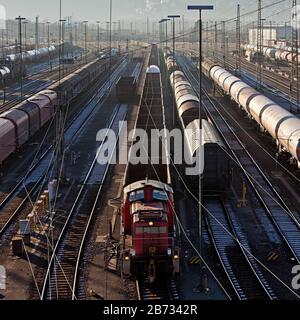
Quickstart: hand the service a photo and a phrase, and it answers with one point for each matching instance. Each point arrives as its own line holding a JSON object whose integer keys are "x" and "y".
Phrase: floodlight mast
{"x": 200, "y": 8}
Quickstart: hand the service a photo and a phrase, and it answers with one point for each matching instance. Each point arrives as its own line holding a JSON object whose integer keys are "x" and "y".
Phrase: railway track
{"x": 272, "y": 203}
{"x": 273, "y": 80}
{"x": 62, "y": 280}
{"x": 151, "y": 116}
{"x": 13, "y": 203}
{"x": 269, "y": 78}
{"x": 243, "y": 274}
{"x": 51, "y": 77}
{"x": 161, "y": 290}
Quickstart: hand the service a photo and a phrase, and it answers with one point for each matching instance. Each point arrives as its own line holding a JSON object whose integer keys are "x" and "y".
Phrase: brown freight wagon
{"x": 126, "y": 89}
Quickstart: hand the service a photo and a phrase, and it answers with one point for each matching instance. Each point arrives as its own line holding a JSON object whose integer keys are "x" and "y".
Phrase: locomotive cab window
{"x": 160, "y": 195}
{"x": 136, "y": 195}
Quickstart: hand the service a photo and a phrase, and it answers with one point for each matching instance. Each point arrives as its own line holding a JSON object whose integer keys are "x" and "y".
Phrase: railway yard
{"x": 151, "y": 166}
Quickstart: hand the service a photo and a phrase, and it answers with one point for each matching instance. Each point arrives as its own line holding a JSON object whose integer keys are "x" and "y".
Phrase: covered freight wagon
{"x": 8, "y": 140}
{"x": 126, "y": 88}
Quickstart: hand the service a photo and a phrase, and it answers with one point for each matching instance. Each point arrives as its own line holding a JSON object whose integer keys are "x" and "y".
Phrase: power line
{"x": 238, "y": 42}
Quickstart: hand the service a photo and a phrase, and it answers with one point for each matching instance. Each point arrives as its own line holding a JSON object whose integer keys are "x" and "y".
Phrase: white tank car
{"x": 216, "y": 72}
{"x": 176, "y": 74}
{"x": 277, "y": 54}
{"x": 244, "y": 96}
{"x": 236, "y": 88}
{"x": 270, "y": 53}
{"x": 223, "y": 77}
{"x": 282, "y": 125}
{"x": 4, "y": 73}
{"x": 229, "y": 82}
{"x": 280, "y": 53}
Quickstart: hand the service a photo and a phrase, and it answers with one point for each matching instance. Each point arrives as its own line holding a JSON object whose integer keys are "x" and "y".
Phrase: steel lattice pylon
{"x": 295, "y": 55}
{"x": 259, "y": 47}
{"x": 238, "y": 42}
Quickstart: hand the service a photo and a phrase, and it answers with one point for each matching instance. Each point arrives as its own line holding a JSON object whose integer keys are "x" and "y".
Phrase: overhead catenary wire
{"x": 173, "y": 208}
{"x": 247, "y": 172}
{"x": 249, "y": 175}
{"x": 54, "y": 255}
{"x": 31, "y": 269}
{"x": 50, "y": 242}
{"x": 186, "y": 34}
{"x": 225, "y": 229}
{"x": 265, "y": 191}
{"x": 257, "y": 143}
{"x": 60, "y": 171}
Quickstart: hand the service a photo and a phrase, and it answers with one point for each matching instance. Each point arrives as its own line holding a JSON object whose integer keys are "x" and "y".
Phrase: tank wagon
{"x": 9, "y": 49}
{"x": 216, "y": 176}
{"x": 5, "y": 74}
{"x": 148, "y": 234}
{"x": 10, "y": 72}
{"x": 281, "y": 54}
{"x": 283, "y": 126}
{"x": 11, "y": 64}
{"x": 31, "y": 55}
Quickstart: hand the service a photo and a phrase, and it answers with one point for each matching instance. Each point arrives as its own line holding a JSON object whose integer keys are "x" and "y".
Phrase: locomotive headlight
{"x": 126, "y": 256}
{"x": 176, "y": 255}
{"x": 151, "y": 224}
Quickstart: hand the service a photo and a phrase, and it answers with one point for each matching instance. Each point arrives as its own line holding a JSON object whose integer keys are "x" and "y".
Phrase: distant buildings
{"x": 271, "y": 34}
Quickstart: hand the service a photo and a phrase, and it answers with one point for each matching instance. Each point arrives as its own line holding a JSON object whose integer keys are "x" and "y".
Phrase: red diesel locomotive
{"x": 148, "y": 229}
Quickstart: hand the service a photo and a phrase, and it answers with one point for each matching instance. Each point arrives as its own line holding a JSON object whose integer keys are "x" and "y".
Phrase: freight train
{"x": 148, "y": 233}
{"x": 280, "y": 54}
{"x": 20, "y": 123}
{"x": 283, "y": 126}
{"x": 10, "y": 65}
{"x": 216, "y": 176}
{"x": 5, "y": 74}
{"x": 31, "y": 55}
{"x": 9, "y": 49}
{"x": 11, "y": 72}
{"x": 126, "y": 86}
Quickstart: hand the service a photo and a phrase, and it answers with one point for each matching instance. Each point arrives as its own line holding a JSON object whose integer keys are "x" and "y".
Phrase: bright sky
{"x": 93, "y": 10}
